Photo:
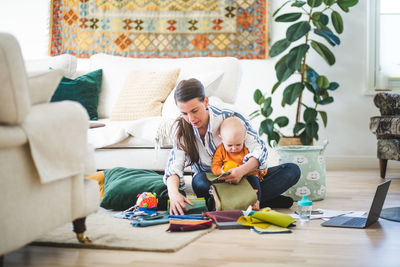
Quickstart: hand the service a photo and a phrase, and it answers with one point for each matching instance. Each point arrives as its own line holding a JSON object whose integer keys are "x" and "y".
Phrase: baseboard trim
{"x": 357, "y": 162}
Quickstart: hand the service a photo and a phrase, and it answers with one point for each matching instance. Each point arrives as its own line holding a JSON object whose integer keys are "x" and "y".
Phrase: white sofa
{"x": 143, "y": 143}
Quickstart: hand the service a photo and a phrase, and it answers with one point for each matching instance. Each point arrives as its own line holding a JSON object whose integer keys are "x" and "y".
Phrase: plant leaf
{"x": 310, "y": 87}
{"x": 322, "y": 82}
{"x": 266, "y": 111}
{"x": 329, "y": 2}
{"x": 326, "y": 101}
{"x": 324, "y": 52}
{"x": 310, "y": 115}
{"x": 346, "y": 3}
{"x": 333, "y": 86}
{"x": 324, "y": 19}
{"x": 278, "y": 47}
{"x": 312, "y": 129}
{"x": 297, "y": 30}
{"x": 298, "y": 3}
{"x": 267, "y": 102}
{"x": 296, "y": 55}
{"x": 328, "y": 35}
{"x": 324, "y": 117}
{"x": 337, "y": 22}
{"x": 276, "y": 11}
{"x": 305, "y": 139}
{"x": 258, "y": 97}
{"x": 276, "y": 85}
{"x": 254, "y": 114}
{"x": 267, "y": 126}
{"x": 298, "y": 127}
{"x": 289, "y": 17}
{"x": 312, "y": 76}
{"x": 282, "y": 121}
{"x": 314, "y": 3}
{"x": 273, "y": 136}
{"x": 282, "y": 71}
{"x": 292, "y": 92}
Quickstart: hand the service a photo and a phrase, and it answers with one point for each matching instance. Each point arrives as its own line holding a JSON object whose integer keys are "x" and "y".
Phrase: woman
{"x": 195, "y": 141}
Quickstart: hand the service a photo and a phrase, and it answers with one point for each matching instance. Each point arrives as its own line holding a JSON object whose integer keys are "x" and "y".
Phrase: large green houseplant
{"x": 311, "y": 24}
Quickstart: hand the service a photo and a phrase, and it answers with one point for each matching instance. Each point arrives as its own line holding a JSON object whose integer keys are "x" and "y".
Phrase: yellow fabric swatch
{"x": 274, "y": 217}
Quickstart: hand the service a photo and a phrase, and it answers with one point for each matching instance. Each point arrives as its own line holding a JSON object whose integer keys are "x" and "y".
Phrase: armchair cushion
{"x": 388, "y": 103}
{"x": 385, "y": 126}
{"x": 84, "y": 89}
{"x": 42, "y": 85}
{"x": 389, "y": 149}
{"x": 14, "y": 96}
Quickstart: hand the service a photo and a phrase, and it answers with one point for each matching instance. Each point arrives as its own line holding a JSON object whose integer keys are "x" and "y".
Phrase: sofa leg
{"x": 79, "y": 227}
{"x": 382, "y": 166}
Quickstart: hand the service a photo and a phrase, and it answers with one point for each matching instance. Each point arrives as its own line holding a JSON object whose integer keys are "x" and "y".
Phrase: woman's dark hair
{"x": 185, "y": 139}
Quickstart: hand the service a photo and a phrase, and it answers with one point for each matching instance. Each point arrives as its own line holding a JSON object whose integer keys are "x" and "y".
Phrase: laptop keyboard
{"x": 355, "y": 221}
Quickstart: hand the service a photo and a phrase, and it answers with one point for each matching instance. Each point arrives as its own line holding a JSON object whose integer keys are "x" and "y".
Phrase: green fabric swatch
{"x": 199, "y": 206}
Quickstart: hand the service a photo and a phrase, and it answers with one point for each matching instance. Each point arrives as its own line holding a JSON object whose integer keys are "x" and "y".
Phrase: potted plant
{"x": 314, "y": 22}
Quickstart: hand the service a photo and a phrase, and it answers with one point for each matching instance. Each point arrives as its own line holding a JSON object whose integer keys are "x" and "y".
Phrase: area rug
{"x": 153, "y": 28}
{"x": 107, "y": 232}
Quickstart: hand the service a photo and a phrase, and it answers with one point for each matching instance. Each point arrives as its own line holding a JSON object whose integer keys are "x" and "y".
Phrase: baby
{"x": 232, "y": 135}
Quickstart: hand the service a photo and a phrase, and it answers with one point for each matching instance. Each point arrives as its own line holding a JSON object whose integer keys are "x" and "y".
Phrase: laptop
{"x": 373, "y": 214}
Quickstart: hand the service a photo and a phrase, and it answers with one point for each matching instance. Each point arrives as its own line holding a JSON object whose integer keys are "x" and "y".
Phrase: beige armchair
{"x": 43, "y": 156}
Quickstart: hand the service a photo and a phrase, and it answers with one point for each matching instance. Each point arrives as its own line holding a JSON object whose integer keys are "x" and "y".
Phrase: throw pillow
{"x": 43, "y": 84}
{"x": 144, "y": 94}
{"x": 84, "y": 89}
{"x": 122, "y": 186}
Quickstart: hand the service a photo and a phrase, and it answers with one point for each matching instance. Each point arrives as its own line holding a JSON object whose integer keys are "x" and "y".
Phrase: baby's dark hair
{"x": 185, "y": 91}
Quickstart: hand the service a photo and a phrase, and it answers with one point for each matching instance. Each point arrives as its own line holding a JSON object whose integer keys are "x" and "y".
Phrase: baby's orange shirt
{"x": 221, "y": 156}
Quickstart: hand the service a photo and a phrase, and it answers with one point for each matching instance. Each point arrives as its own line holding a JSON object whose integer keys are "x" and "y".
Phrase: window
{"x": 384, "y": 45}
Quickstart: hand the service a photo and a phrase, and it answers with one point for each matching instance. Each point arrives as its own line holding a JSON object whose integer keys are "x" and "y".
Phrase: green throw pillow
{"x": 122, "y": 185}
{"x": 84, "y": 89}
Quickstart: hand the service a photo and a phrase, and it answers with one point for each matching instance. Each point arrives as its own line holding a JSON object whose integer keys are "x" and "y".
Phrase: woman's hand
{"x": 176, "y": 200}
{"x": 177, "y": 203}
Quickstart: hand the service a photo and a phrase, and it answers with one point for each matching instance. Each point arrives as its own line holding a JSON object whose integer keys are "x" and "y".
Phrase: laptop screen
{"x": 377, "y": 203}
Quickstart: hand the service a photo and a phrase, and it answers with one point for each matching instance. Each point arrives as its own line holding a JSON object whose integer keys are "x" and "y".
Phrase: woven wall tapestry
{"x": 159, "y": 28}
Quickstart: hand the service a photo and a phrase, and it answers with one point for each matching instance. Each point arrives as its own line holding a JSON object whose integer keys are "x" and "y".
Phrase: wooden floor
{"x": 309, "y": 245}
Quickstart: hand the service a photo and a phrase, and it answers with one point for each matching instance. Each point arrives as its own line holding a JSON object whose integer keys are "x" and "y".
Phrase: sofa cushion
{"x": 42, "y": 85}
{"x": 144, "y": 94}
{"x": 67, "y": 63}
{"x": 122, "y": 186}
{"x": 116, "y": 69}
{"x": 210, "y": 80}
{"x": 84, "y": 89}
{"x": 14, "y": 94}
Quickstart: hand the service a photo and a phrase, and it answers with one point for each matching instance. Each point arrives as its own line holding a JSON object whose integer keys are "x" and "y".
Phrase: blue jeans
{"x": 276, "y": 181}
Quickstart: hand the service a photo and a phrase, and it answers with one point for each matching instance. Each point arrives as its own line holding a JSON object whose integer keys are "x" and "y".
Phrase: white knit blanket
{"x": 153, "y": 130}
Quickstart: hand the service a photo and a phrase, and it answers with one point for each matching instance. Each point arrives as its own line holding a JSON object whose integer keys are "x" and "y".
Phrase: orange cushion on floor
{"x": 99, "y": 177}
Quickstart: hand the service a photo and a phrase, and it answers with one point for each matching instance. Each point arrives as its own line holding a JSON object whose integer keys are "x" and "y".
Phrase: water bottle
{"x": 304, "y": 208}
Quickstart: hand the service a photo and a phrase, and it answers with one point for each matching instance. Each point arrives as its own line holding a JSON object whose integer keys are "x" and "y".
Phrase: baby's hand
{"x": 256, "y": 206}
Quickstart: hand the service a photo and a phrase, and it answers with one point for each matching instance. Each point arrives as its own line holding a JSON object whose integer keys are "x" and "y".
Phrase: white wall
{"x": 351, "y": 144}
{"x": 28, "y": 21}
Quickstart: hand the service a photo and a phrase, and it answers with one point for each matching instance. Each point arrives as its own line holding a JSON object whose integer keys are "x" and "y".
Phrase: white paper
{"x": 327, "y": 214}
